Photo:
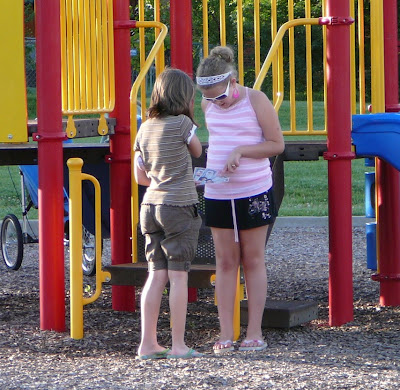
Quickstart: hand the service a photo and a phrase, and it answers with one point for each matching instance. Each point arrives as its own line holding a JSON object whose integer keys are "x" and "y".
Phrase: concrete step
{"x": 283, "y": 313}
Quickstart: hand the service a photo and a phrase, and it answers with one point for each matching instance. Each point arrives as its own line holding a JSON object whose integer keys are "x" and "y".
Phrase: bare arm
{"x": 140, "y": 175}
{"x": 271, "y": 128}
{"x": 194, "y": 146}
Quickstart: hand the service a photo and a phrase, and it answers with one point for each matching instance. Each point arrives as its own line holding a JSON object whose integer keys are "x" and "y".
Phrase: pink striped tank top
{"x": 229, "y": 128}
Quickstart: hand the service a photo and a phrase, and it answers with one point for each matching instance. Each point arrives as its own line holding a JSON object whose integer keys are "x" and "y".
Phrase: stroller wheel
{"x": 11, "y": 239}
{"x": 89, "y": 252}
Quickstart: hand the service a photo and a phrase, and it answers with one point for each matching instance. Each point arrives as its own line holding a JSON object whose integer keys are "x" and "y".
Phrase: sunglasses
{"x": 219, "y": 97}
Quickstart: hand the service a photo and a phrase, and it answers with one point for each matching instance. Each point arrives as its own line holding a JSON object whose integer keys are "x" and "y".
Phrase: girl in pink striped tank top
{"x": 244, "y": 131}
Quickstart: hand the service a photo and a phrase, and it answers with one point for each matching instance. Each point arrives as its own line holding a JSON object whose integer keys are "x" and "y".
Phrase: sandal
{"x": 188, "y": 355}
{"x": 221, "y": 347}
{"x": 156, "y": 355}
{"x": 260, "y": 345}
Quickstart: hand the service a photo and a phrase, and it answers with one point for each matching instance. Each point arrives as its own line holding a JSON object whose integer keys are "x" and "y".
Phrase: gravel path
{"x": 363, "y": 354}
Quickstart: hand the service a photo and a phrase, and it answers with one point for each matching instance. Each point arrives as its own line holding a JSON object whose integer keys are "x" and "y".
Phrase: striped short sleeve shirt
{"x": 162, "y": 143}
{"x": 229, "y": 128}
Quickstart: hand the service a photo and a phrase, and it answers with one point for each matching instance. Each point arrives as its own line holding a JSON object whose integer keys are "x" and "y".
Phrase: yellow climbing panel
{"x": 87, "y": 60}
{"x": 13, "y": 107}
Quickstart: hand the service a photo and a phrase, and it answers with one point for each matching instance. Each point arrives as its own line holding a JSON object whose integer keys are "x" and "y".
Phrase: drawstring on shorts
{"x": 235, "y": 227}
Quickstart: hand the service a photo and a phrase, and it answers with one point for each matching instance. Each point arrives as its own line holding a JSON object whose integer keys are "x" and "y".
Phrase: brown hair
{"x": 172, "y": 94}
{"x": 221, "y": 60}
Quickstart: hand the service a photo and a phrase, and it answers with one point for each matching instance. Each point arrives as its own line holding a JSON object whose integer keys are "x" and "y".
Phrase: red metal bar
{"x": 388, "y": 178}
{"x": 182, "y": 54}
{"x": 339, "y": 169}
{"x": 392, "y": 107}
{"x": 123, "y": 297}
{"x": 181, "y": 35}
{"x": 50, "y": 163}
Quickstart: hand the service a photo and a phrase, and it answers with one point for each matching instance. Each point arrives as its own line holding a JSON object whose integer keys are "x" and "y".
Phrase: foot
{"x": 190, "y": 354}
{"x": 151, "y": 349}
{"x": 253, "y": 345}
{"x": 221, "y": 347}
{"x": 155, "y": 355}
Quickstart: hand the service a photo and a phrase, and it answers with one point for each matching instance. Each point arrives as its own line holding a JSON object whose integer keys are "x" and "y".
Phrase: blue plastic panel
{"x": 378, "y": 135}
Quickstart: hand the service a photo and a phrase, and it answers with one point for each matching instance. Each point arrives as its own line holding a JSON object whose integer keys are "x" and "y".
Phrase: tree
{"x": 248, "y": 28}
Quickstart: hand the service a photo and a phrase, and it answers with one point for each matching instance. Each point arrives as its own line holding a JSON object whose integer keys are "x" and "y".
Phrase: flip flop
{"x": 227, "y": 346}
{"x": 261, "y": 344}
{"x": 188, "y": 355}
{"x": 156, "y": 355}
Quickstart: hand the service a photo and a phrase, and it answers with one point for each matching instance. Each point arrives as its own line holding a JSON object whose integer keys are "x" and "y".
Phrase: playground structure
{"x": 337, "y": 22}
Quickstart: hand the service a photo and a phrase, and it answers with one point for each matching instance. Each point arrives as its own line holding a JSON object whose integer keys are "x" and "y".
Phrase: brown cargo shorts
{"x": 171, "y": 235}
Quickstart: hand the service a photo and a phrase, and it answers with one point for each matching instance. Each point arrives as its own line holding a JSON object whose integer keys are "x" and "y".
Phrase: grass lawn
{"x": 306, "y": 182}
{"x": 306, "y": 188}
{"x": 10, "y": 193}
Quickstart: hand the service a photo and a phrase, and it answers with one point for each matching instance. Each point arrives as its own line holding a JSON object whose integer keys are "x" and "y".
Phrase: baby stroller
{"x": 13, "y": 236}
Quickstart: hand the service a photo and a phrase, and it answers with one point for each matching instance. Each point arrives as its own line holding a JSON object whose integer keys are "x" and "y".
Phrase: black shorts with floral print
{"x": 251, "y": 212}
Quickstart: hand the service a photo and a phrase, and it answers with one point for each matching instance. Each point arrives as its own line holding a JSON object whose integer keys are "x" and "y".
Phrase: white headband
{"x": 208, "y": 80}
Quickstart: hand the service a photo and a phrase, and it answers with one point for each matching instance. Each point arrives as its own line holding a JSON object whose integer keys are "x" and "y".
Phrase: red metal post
{"x": 181, "y": 35}
{"x": 339, "y": 164}
{"x": 123, "y": 297}
{"x": 50, "y": 163}
{"x": 388, "y": 178}
{"x": 182, "y": 53}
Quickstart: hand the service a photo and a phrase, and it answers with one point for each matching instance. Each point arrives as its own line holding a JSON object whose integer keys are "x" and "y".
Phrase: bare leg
{"x": 150, "y": 310}
{"x": 227, "y": 253}
{"x": 178, "y": 298}
{"x": 252, "y": 243}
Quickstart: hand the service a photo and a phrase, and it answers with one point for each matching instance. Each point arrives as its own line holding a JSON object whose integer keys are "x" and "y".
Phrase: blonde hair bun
{"x": 223, "y": 52}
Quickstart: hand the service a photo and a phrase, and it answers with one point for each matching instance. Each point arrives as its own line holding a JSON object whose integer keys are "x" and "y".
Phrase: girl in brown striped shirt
{"x": 168, "y": 213}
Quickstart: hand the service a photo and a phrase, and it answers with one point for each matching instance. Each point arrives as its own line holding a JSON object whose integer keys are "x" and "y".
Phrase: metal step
{"x": 135, "y": 274}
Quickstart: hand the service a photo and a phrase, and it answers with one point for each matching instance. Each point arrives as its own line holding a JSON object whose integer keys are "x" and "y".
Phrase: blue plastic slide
{"x": 378, "y": 135}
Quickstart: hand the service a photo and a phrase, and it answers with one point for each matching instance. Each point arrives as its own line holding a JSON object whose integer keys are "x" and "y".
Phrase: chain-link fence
{"x": 30, "y": 62}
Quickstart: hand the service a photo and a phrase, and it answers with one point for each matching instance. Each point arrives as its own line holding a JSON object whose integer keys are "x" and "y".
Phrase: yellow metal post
{"x": 160, "y": 57}
{"x": 222, "y": 22}
{"x": 142, "y": 57}
{"x": 325, "y": 65}
{"x": 236, "y": 309}
{"x": 353, "y": 62}
{"x": 205, "y": 28}
{"x": 240, "y": 41}
{"x": 257, "y": 41}
{"x": 75, "y": 234}
{"x": 361, "y": 57}
{"x": 75, "y": 237}
{"x": 101, "y": 276}
{"x": 310, "y": 112}
{"x": 377, "y": 58}
{"x": 292, "y": 74}
{"x": 274, "y": 60}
